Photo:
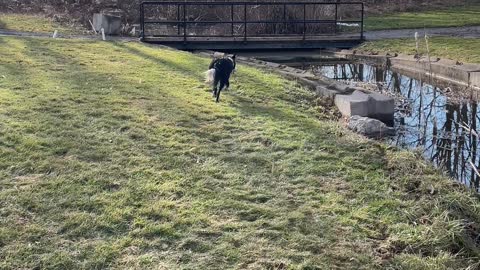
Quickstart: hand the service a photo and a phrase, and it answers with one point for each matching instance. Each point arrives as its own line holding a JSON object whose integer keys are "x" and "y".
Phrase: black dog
{"x": 218, "y": 74}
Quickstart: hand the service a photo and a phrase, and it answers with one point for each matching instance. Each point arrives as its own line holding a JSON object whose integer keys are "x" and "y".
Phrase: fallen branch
{"x": 93, "y": 27}
{"x": 474, "y": 168}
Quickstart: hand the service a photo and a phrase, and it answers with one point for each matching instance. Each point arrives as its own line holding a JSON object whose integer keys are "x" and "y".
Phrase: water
{"x": 439, "y": 121}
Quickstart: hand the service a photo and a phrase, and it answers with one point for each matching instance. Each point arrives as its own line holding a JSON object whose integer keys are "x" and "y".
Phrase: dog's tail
{"x": 210, "y": 76}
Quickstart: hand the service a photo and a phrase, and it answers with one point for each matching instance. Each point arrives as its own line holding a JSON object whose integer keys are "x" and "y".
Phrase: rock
{"x": 325, "y": 92}
{"x": 369, "y": 127}
{"x": 341, "y": 88}
{"x": 273, "y": 65}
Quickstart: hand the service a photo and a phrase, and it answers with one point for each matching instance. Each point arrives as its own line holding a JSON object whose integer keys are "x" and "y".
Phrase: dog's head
{"x": 232, "y": 58}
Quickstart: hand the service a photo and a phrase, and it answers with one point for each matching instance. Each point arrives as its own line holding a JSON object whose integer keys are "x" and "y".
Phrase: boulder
{"x": 369, "y": 127}
{"x": 325, "y": 92}
{"x": 341, "y": 88}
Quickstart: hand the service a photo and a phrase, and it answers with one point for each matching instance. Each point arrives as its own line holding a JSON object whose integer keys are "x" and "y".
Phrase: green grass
{"x": 460, "y": 49}
{"x": 451, "y": 17}
{"x": 114, "y": 155}
{"x": 36, "y": 23}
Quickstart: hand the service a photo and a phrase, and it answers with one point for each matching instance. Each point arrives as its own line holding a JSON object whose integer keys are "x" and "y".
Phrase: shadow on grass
{"x": 287, "y": 115}
{"x": 246, "y": 106}
{"x": 192, "y": 67}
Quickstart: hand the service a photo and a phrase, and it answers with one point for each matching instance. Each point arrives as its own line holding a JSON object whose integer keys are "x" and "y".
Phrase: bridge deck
{"x": 285, "y": 42}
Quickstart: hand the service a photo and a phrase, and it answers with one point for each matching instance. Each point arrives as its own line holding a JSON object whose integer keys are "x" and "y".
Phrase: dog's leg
{"x": 227, "y": 85}
{"x": 215, "y": 85}
{"x": 220, "y": 88}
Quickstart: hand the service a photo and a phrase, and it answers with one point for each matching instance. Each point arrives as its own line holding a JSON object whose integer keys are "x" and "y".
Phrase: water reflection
{"x": 429, "y": 118}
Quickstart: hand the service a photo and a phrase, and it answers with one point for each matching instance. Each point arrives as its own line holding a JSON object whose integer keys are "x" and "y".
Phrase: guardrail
{"x": 242, "y": 21}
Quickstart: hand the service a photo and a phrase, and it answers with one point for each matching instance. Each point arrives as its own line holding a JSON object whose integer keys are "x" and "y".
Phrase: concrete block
{"x": 445, "y": 62}
{"x": 450, "y": 70}
{"x": 475, "y": 78}
{"x": 381, "y": 107}
{"x": 444, "y": 69}
{"x": 382, "y": 104}
{"x": 354, "y": 104}
{"x": 374, "y": 105}
{"x": 111, "y": 24}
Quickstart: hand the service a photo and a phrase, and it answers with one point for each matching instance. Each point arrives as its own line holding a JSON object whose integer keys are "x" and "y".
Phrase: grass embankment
{"x": 467, "y": 15}
{"x": 115, "y": 155}
{"x": 461, "y": 49}
{"x": 36, "y": 23}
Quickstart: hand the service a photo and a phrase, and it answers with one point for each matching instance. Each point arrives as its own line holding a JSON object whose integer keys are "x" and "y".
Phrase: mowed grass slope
{"x": 114, "y": 155}
{"x": 466, "y": 15}
{"x": 36, "y": 23}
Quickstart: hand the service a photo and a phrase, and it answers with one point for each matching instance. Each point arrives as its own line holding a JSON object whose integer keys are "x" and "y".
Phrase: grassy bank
{"x": 465, "y": 50}
{"x": 451, "y": 17}
{"x": 114, "y": 155}
{"x": 36, "y": 23}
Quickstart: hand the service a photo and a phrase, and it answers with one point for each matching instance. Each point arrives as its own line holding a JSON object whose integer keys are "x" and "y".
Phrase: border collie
{"x": 218, "y": 74}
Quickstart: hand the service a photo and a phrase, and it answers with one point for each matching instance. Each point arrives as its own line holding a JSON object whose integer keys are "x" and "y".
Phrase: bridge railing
{"x": 243, "y": 20}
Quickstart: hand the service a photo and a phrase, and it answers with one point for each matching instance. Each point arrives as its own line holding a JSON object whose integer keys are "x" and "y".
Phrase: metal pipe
{"x": 231, "y": 11}
{"x": 304, "y": 21}
{"x": 178, "y": 18}
{"x": 336, "y": 17}
{"x": 363, "y": 10}
{"x": 245, "y": 23}
{"x": 241, "y": 3}
{"x": 142, "y": 21}
{"x": 242, "y": 21}
{"x": 184, "y": 23}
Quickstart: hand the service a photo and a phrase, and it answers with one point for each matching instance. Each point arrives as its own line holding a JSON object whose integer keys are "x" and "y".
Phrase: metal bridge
{"x": 252, "y": 25}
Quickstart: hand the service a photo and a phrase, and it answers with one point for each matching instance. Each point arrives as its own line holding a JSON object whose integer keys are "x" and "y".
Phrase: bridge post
{"x": 336, "y": 18}
{"x": 231, "y": 13}
{"x": 178, "y": 19}
{"x": 185, "y": 24}
{"x": 142, "y": 22}
{"x": 245, "y": 23}
{"x": 304, "y": 21}
{"x": 363, "y": 11}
